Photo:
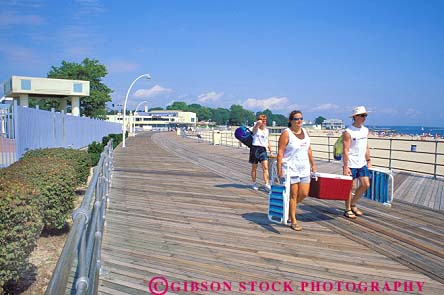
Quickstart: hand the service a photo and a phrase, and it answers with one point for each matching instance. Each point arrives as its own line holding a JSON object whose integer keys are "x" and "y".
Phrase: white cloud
{"x": 22, "y": 4}
{"x": 154, "y": 91}
{"x": 388, "y": 111}
{"x": 325, "y": 107}
{"x": 210, "y": 96}
{"x": 80, "y": 36}
{"x": 18, "y": 53}
{"x": 121, "y": 67}
{"x": 272, "y": 103}
{"x": 89, "y": 7}
{"x": 13, "y": 19}
{"x": 412, "y": 113}
{"x": 77, "y": 41}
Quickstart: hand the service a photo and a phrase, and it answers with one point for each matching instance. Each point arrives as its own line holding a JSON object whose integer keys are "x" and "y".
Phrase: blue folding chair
{"x": 381, "y": 186}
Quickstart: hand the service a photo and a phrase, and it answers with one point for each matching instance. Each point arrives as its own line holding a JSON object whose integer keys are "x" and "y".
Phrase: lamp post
{"x": 135, "y": 113}
{"x": 142, "y": 102}
{"x": 124, "y": 105}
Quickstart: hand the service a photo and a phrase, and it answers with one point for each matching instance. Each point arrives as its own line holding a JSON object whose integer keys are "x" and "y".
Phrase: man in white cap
{"x": 356, "y": 159}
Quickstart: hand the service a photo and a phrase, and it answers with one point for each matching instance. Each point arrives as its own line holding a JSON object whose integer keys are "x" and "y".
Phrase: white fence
{"x": 409, "y": 155}
{"x": 7, "y": 137}
{"x": 25, "y": 129}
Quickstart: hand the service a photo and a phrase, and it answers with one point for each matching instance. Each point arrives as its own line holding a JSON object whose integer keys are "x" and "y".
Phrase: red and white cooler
{"x": 330, "y": 186}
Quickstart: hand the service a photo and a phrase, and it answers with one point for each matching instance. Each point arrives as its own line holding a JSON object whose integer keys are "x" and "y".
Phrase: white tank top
{"x": 295, "y": 161}
{"x": 358, "y": 146}
{"x": 260, "y": 138}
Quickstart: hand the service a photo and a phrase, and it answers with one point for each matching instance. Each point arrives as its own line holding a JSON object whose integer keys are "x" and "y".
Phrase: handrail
{"x": 84, "y": 239}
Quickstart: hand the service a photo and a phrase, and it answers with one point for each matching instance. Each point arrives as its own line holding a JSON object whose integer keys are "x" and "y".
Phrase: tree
{"x": 221, "y": 116}
{"x": 44, "y": 103}
{"x": 178, "y": 106}
{"x": 319, "y": 120}
{"x": 268, "y": 113}
{"x": 92, "y": 71}
{"x": 194, "y": 107}
{"x": 204, "y": 114}
{"x": 239, "y": 116}
{"x": 279, "y": 119}
{"x": 155, "y": 109}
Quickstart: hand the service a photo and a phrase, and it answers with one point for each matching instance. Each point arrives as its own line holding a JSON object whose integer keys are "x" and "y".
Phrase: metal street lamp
{"x": 148, "y": 77}
{"x": 142, "y": 102}
{"x": 135, "y": 113}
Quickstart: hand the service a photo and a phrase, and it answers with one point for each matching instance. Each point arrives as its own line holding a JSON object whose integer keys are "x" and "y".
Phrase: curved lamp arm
{"x": 148, "y": 76}
{"x": 140, "y": 105}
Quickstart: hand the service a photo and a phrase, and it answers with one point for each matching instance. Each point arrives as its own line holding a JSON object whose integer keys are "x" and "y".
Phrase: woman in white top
{"x": 295, "y": 160}
{"x": 258, "y": 151}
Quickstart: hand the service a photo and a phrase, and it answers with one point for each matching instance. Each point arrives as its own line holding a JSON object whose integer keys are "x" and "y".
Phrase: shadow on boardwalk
{"x": 182, "y": 210}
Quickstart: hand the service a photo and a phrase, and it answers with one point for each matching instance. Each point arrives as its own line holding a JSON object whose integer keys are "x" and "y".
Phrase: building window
{"x": 77, "y": 87}
{"x": 192, "y": 120}
{"x": 25, "y": 84}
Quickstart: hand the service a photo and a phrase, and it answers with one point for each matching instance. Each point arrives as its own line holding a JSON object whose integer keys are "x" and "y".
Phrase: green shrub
{"x": 20, "y": 226}
{"x": 55, "y": 180}
{"x": 117, "y": 139}
{"x": 94, "y": 151}
{"x": 105, "y": 140}
{"x": 80, "y": 160}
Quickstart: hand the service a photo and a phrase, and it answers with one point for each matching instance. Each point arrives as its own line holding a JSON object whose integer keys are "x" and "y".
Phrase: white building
{"x": 157, "y": 120}
{"x": 22, "y": 88}
{"x": 333, "y": 124}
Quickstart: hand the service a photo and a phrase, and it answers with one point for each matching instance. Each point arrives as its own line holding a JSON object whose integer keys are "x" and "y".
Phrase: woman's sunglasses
{"x": 298, "y": 119}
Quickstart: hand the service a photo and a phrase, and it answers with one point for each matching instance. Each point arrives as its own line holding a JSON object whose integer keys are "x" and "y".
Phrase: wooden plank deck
{"x": 182, "y": 210}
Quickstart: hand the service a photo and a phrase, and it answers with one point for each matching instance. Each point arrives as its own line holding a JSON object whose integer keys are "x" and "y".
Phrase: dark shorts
{"x": 257, "y": 154}
{"x": 360, "y": 172}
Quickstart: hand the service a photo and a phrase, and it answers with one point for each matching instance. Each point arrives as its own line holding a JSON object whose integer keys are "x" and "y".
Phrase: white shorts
{"x": 297, "y": 179}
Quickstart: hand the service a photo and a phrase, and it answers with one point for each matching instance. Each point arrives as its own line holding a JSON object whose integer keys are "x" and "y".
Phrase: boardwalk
{"x": 182, "y": 210}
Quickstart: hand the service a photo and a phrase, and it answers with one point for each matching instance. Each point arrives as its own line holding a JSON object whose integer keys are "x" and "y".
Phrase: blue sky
{"x": 322, "y": 57}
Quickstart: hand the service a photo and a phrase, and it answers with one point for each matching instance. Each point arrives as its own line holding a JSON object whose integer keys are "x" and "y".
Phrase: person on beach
{"x": 258, "y": 151}
{"x": 295, "y": 162}
{"x": 356, "y": 159}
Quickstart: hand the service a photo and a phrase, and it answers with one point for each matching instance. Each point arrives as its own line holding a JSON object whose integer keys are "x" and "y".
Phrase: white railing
{"x": 8, "y": 149}
{"x": 408, "y": 155}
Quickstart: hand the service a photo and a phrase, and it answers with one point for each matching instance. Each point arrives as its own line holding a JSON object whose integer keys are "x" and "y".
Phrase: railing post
{"x": 436, "y": 159}
{"x": 390, "y": 154}
{"x": 328, "y": 147}
{"x": 54, "y": 127}
{"x": 15, "y": 129}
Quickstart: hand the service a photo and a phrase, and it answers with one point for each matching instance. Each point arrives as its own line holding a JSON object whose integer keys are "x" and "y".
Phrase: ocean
{"x": 409, "y": 130}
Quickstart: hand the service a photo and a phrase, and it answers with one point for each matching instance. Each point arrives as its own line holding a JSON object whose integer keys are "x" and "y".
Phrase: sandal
{"x": 296, "y": 227}
{"x": 356, "y": 211}
{"x": 349, "y": 214}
